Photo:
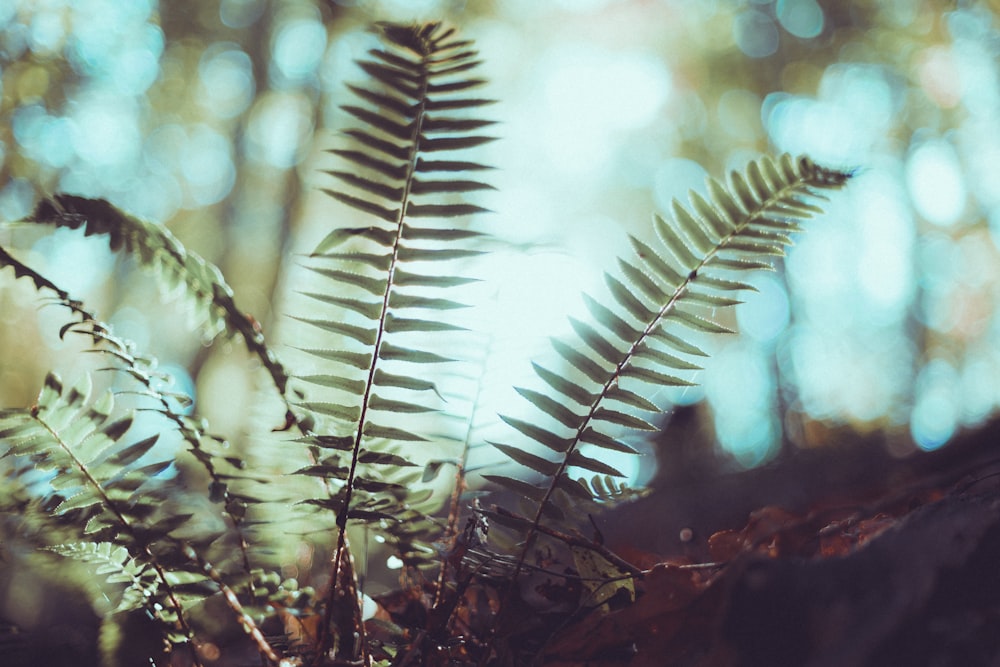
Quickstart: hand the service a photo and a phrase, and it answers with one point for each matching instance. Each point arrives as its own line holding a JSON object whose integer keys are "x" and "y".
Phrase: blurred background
{"x": 211, "y": 117}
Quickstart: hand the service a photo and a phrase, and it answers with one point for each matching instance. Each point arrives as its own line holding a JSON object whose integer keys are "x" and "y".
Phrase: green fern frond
{"x": 207, "y": 450}
{"x": 608, "y": 489}
{"x": 204, "y": 448}
{"x": 390, "y": 278}
{"x": 155, "y": 247}
{"x": 642, "y": 338}
{"x": 41, "y": 282}
{"x": 383, "y": 280}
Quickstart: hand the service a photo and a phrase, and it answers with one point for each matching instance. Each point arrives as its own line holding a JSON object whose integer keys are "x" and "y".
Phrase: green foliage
{"x": 383, "y": 301}
{"x": 178, "y": 268}
{"x": 116, "y": 565}
{"x": 99, "y": 485}
{"x": 71, "y": 435}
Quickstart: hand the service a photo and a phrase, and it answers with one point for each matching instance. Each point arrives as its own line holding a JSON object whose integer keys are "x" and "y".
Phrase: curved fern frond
{"x": 390, "y": 277}
{"x": 41, "y": 282}
{"x": 206, "y": 449}
{"x": 643, "y": 337}
{"x": 155, "y": 247}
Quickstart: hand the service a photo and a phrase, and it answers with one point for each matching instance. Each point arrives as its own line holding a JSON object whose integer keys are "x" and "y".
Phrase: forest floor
{"x": 841, "y": 556}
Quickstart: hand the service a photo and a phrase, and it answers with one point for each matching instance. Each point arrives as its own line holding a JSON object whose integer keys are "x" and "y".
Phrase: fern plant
{"x": 103, "y": 489}
{"x": 384, "y": 291}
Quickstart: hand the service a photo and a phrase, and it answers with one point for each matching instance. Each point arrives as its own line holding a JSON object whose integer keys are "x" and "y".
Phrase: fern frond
{"x": 206, "y": 449}
{"x": 389, "y": 283}
{"x": 608, "y": 489}
{"x": 382, "y": 275}
{"x": 155, "y": 247}
{"x": 117, "y": 566}
{"x": 233, "y": 602}
{"x": 41, "y": 282}
{"x": 642, "y": 337}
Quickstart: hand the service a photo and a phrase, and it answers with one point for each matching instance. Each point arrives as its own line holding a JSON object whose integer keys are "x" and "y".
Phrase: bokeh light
{"x": 765, "y": 315}
{"x": 239, "y": 14}
{"x": 936, "y": 409}
{"x": 802, "y": 18}
{"x": 934, "y": 177}
{"x": 299, "y": 45}
{"x": 742, "y": 400}
{"x": 589, "y": 98}
{"x": 209, "y": 118}
{"x": 280, "y": 124}
{"x": 755, "y": 34}
{"x": 226, "y": 74}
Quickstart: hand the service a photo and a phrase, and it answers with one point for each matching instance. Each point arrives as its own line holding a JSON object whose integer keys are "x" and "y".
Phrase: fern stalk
{"x": 233, "y": 602}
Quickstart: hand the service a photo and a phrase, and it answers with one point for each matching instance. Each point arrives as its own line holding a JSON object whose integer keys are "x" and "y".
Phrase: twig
{"x": 579, "y": 541}
{"x": 234, "y": 604}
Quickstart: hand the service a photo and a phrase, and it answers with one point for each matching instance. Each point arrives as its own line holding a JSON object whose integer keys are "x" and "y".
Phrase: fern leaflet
{"x": 155, "y": 247}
